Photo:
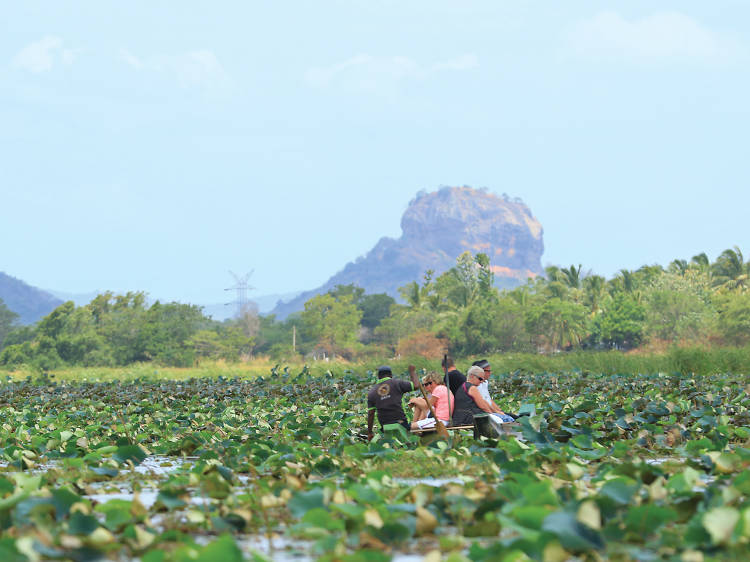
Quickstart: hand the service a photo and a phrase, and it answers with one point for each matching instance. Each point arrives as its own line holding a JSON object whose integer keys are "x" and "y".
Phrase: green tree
{"x": 558, "y": 323}
{"x": 594, "y": 290}
{"x": 679, "y": 308}
{"x": 730, "y": 270}
{"x": 331, "y": 322}
{"x": 622, "y": 323}
{"x": 8, "y": 319}
{"x": 734, "y": 320}
{"x": 374, "y": 309}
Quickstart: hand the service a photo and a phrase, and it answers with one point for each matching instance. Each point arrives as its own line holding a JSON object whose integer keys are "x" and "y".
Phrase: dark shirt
{"x": 466, "y": 408}
{"x": 385, "y": 397}
{"x": 453, "y": 379}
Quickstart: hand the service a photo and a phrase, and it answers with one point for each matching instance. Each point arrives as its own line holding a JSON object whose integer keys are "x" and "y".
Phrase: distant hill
{"x": 436, "y": 228}
{"x": 221, "y": 312}
{"x": 30, "y": 303}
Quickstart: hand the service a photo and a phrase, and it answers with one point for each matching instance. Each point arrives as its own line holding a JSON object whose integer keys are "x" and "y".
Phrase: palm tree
{"x": 572, "y": 276}
{"x": 679, "y": 266}
{"x": 730, "y": 270}
{"x": 594, "y": 286}
{"x": 700, "y": 260}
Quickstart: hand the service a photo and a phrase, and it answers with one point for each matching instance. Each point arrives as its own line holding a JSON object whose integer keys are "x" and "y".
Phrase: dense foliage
{"x": 689, "y": 303}
{"x": 625, "y": 467}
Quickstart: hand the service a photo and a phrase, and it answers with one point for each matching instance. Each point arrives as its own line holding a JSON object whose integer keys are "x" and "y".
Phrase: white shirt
{"x": 484, "y": 391}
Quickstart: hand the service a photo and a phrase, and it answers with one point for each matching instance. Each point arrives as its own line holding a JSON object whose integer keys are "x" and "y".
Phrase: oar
{"x": 439, "y": 427}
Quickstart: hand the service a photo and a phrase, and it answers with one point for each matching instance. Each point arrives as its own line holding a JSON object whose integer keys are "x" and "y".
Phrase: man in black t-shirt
{"x": 385, "y": 399}
{"x": 453, "y": 377}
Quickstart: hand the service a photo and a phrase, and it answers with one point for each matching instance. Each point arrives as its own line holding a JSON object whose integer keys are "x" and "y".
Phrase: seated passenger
{"x": 440, "y": 397}
{"x": 484, "y": 390}
{"x": 469, "y": 401}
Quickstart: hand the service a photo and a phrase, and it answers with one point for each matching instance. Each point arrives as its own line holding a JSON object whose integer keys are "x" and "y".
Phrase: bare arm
{"x": 479, "y": 401}
{"x": 495, "y": 407}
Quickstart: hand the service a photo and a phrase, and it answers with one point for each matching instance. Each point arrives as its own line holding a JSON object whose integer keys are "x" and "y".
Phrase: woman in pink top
{"x": 439, "y": 396}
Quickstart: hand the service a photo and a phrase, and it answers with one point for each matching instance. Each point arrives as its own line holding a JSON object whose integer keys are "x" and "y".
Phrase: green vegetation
{"x": 622, "y": 467}
{"x": 652, "y": 311}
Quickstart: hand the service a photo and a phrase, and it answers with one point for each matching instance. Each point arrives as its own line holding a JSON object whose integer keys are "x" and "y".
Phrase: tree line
{"x": 688, "y": 302}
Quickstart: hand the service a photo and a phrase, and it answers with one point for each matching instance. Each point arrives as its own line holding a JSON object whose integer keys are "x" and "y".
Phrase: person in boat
{"x": 453, "y": 377}
{"x": 384, "y": 398}
{"x": 440, "y": 397}
{"x": 484, "y": 389}
{"x": 469, "y": 401}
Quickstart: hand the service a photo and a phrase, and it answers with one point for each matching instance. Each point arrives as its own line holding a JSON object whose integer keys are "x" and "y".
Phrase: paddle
{"x": 439, "y": 427}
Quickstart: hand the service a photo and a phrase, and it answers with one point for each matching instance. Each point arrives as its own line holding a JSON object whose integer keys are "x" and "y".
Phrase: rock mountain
{"x": 436, "y": 228}
{"x": 30, "y": 303}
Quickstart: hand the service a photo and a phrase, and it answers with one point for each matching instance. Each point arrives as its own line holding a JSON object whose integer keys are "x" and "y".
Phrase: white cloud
{"x": 663, "y": 35}
{"x": 130, "y": 59}
{"x": 43, "y": 55}
{"x": 465, "y": 62}
{"x": 370, "y": 73}
{"x": 194, "y": 68}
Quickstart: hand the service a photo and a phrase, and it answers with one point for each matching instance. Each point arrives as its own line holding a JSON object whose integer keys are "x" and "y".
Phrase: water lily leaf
{"x": 540, "y": 493}
{"x": 367, "y": 555}
{"x": 620, "y": 490}
{"x": 302, "y": 502}
{"x": 224, "y": 548}
{"x": 720, "y": 523}
{"x": 726, "y": 463}
{"x": 215, "y": 486}
{"x": 169, "y": 500}
{"x": 683, "y": 482}
{"x": 528, "y": 409}
{"x": 364, "y": 494}
{"x": 531, "y": 516}
{"x": 63, "y": 499}
{"x": 105, "y": 471}
{"x": 351, "y": 510}
{"x": 571, "y": 533}
{"x": 644, "y": 520}
{"x": 589, "y": 514}
{"x": 27, "y": 483}
{"x": 9, "y": 551}
{"x": 392, "y": 533}
{"x": 81, "y": 524}
{"x": 426, "y": 521}
{"x": 322, "y": 518}
{"x": 131, "y": 453}
{"x": 154, "y": 555}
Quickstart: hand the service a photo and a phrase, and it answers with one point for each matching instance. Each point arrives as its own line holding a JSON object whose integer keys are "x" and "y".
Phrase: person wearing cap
{"x": 384, "y": 398}
{"x": 484, "y": 388}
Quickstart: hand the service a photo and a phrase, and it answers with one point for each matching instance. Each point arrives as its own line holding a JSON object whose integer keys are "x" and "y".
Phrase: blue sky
{"x": 155, "y": 146}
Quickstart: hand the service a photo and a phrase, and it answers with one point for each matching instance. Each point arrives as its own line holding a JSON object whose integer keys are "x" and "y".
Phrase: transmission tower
{"x": 241, "y": 288}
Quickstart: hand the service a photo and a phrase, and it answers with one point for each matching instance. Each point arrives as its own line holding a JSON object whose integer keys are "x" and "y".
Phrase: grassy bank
{"x": 698, "y": 360}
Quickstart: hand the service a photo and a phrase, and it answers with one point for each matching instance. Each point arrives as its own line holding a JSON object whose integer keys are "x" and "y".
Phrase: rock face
{"x": 437, "y": 228}
{"x": 30, "y": 303}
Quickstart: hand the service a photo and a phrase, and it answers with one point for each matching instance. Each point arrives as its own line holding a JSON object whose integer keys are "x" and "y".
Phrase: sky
{"x": 157, "y": 147}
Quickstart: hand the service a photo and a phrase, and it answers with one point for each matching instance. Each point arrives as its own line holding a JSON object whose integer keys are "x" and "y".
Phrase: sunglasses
{"x": 428, "y": 383}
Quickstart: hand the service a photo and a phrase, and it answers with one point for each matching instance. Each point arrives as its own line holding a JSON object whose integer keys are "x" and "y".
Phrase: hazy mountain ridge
{"x": 436, "y": 228}
{"x": 28, "y": 302}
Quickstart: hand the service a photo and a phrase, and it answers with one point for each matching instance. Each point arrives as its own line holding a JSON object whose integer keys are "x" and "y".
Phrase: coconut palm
{"x": 594, "y": 288}
{"x": 730, "y": 270}
{"x": 679, "y": 267}
{"x": 572, "y": 276}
